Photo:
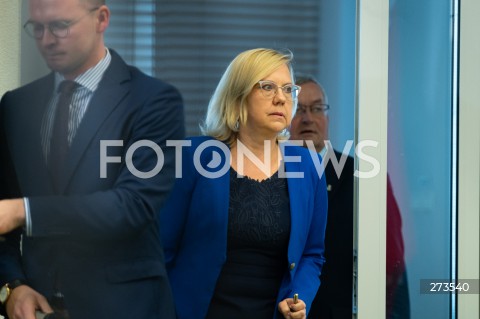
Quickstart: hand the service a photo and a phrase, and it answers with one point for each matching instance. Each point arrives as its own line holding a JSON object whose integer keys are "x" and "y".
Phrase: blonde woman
{"x": 243, "y": 228}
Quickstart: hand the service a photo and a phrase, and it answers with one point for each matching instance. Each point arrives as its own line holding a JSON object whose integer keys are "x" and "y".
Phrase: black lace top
{"x": 258, "y": 235}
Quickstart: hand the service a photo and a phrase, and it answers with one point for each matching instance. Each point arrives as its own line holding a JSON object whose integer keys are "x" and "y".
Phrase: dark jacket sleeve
{"x": 10, "y": 263}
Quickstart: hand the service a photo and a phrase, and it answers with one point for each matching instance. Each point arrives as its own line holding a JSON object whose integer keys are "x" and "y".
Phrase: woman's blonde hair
{"x": 229, "y": 100}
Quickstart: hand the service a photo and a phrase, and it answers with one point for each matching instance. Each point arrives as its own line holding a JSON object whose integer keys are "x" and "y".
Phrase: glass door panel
{"x": 420, "y": 156}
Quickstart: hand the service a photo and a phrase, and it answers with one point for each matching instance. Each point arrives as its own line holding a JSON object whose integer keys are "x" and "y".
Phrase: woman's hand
{"x": 290, "y": 310}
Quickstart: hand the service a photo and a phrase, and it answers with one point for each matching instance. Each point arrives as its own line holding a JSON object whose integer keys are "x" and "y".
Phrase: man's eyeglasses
{"x": 269, "y": 89}
{"x": 59, "y": 28}
{"x": 315, "y": 109}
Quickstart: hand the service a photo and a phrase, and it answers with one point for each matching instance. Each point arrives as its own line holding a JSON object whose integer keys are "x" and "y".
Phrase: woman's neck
{"x": 254, "y": 157}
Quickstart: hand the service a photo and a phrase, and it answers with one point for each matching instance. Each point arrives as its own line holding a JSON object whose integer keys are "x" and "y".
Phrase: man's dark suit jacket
{"x": 334, "y": 297}
{"x": 95, "y": 240}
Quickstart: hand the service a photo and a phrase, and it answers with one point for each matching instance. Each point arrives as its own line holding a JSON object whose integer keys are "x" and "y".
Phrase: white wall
{"x": 32, "y": 66}
{"x": 469, "y": 157}
{"x": 9, "y": 45}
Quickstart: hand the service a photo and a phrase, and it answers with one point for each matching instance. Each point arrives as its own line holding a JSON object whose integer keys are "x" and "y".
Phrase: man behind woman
{"x": 240, "y": 242}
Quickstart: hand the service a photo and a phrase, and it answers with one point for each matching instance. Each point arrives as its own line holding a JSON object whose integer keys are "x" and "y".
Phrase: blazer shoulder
{"x": 349, "y": 162}
{"x": 308, "y": 157}
{"x": 349, "y": 167}
{"x": 121, "y": 71}
{"x": 198, "y": 140}
{"x": 40, "y": 85}
{"x": 345, "y": 172}
{"x": 206, "y": 153}
{"x": 208, "y": 147}
{"x": 293, "y": 149}
{"x": 30, "y": 98}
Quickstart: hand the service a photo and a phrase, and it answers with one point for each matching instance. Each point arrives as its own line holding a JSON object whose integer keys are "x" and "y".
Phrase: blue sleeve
{"x": 174, "y": 214}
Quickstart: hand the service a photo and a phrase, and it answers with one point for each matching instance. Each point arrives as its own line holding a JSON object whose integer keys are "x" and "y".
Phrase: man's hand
{"x": 12, "y": 215}
{"x": 23, "y": 302}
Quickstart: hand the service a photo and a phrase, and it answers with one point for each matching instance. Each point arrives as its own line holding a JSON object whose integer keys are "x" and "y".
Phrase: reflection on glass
{"x": 419, "y": 144}
{"x": 396, "y": 292}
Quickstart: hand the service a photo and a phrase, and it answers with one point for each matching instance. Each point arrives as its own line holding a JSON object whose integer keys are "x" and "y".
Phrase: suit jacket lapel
{"x": 26, "y": 146}
{"x": 331, "y": 177}
{"x": 298, "y": 203}
{"x": 112, "y": 89}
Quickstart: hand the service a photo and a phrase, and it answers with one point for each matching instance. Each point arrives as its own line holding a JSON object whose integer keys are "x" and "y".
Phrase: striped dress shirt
{"x": 80, "y": 100}
{"x": 89, "y": 81}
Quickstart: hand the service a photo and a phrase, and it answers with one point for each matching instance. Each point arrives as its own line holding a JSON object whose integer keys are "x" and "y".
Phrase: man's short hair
{"x": 302, "y": 78}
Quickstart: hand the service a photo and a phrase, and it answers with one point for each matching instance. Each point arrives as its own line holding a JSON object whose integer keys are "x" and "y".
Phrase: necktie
{"x": 59, "y": 139}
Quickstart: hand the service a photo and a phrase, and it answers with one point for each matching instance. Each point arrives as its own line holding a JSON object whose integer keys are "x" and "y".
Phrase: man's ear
{"x": 103, "y": 18}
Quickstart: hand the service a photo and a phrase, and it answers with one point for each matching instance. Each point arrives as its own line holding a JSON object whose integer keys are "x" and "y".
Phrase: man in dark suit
{"x": 334, "y": 297}
{"x": 85, "y": 202}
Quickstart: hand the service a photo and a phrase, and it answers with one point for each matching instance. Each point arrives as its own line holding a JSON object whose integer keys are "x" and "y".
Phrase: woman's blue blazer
{"x": 193, "y": 224}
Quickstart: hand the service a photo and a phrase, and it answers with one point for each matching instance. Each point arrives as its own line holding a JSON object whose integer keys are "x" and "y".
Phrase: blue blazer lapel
{"x": 297, "y": 190}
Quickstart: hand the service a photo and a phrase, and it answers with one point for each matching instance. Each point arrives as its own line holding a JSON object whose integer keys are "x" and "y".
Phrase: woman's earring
{"x": 236, "y": 127}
